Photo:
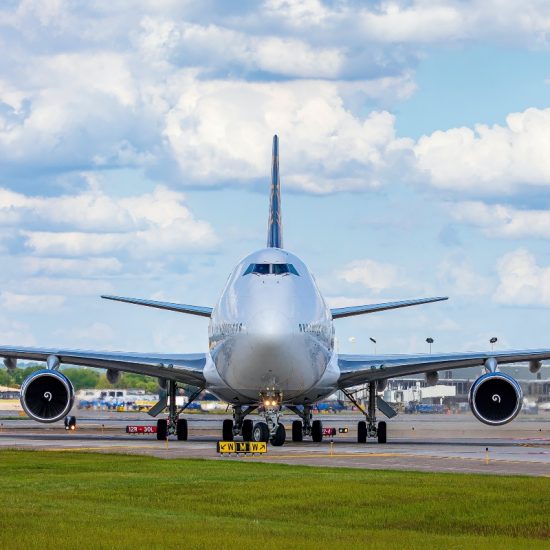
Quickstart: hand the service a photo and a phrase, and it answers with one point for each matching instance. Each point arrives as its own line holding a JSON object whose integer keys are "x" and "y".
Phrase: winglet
{"x": 275, "y": 224}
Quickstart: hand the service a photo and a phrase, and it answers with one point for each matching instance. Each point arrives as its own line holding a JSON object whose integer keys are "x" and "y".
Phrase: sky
{"x": 135, "y": 145}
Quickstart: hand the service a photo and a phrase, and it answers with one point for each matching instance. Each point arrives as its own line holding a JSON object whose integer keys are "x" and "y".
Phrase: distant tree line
{"x": 83, "y": 377}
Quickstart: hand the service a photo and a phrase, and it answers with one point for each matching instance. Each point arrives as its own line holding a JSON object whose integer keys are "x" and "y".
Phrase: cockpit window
{"x": 279, "y": 269}
{"x": 271, "y": 269}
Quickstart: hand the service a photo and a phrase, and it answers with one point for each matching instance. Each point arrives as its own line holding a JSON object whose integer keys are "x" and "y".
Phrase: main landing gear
{"x": 306, "y": 426}
{"x": 368, "y": 427}
{"x": 239, "y": 425}
{"x": 173, "y": 425}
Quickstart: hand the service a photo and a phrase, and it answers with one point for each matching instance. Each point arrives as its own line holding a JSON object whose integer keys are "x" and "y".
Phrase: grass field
{"x": 81, "y": 500}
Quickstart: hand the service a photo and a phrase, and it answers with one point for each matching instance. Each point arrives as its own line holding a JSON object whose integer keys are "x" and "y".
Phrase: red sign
{"x": 141, "y": 429}
{"x": 329, "y": 431}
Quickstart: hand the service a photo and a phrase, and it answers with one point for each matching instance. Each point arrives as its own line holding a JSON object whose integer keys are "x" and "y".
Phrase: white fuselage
{"x": 271, "y": 331}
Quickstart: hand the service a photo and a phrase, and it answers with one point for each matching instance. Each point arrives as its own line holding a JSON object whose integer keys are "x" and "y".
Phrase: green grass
{"x": 84, "y": 500}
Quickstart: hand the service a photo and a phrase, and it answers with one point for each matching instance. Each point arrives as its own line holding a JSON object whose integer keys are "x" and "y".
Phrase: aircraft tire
{"x": 227, "y": 430}
{"x": 70, "y": 422}
{"x": 382, "y": 432}
{"x": 181, "y": 429}
{"x": 260, "y": 432}
{"x": 317, "y": 431}
{"x": 162, "y": 429}
{"x": 278, "y": 440}
{"x": 297, "y": 431}
{"x": 361, "y": 432}
{"x": 248, "y": 426}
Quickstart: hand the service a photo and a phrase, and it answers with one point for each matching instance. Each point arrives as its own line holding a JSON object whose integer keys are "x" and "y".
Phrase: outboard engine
{"x": 47, "y": 395}
{"x": 495, "y": 398}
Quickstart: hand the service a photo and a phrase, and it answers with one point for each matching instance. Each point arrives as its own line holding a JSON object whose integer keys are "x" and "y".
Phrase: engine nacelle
{"x": 495, "y": 398}
{"x": 432, "y": 378}
{"x": 113, "y": 376}
{"x": 47, "y": 395}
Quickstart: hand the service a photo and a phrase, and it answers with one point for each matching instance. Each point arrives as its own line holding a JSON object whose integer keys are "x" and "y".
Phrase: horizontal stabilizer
{"x": 372, "y": 308}
{"x": 181, "y": 308}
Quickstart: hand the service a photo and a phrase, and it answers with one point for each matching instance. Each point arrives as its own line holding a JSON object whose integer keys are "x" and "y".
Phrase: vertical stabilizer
{"x": 275, "y": 224}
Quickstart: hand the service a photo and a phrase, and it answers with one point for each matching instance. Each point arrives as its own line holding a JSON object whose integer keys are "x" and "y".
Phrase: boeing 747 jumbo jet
{"x": 271, "y": 346}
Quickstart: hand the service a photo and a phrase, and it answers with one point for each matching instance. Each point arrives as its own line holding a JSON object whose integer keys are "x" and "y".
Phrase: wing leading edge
{"x": 201, "y": 311}
{"x": 360, "y": 369}
{"x": 339, "y": 312}
{"x": 187, "y": 368}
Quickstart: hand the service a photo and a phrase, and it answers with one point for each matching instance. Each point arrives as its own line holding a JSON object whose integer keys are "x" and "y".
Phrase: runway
{"x": 456, "y": 443}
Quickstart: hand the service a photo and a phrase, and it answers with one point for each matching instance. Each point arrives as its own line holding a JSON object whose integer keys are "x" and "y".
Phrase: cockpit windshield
{"x": 271, "y": 269}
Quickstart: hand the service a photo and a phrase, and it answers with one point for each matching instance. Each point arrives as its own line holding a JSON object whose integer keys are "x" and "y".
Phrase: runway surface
{"x": 455, "y": 443}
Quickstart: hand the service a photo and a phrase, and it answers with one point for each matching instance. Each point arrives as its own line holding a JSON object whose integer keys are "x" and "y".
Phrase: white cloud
{"x": 96, "y": 333}
{"x": 522, "y": 280}
{"x": 30, "y": 302}
{"x": 64, "y": 267}
{"x": 64, "y": 286}
{"x": 500, "y": 220}
{"x": 214, "y": 46}
{"x": 94, "y": 223}
{"x": 220, "y": 131}
{"x": 376, "y": 276}
{"x": 489, "y": 159}
{"x": 461, "y": 279}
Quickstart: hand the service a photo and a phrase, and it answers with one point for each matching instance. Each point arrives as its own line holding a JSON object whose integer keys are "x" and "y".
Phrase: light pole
{"x": 493, "y": 341}
{"x": 374, "y": 342}
{"x": 430, "y": 341}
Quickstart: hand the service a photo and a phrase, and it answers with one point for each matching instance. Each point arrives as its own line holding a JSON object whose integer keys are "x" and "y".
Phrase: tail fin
{"x": 275, "y": 224}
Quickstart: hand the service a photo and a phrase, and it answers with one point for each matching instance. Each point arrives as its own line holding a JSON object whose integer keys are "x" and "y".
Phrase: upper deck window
{"x": 271, "y": 269}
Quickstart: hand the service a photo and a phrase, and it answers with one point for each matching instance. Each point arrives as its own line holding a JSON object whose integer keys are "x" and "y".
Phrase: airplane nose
{"x": 270, "y": 324}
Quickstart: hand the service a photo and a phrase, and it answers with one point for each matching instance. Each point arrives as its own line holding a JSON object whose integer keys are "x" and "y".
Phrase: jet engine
{"x": 495, "y": 398}
{"x": 47, "y": 395}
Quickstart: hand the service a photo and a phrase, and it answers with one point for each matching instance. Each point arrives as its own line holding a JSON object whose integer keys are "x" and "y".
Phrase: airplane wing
{"x": 187, "y": 368}
{"x": 372, "y": 308}
{"x": 360, "y": 369}
{"x": 201, "y": 311}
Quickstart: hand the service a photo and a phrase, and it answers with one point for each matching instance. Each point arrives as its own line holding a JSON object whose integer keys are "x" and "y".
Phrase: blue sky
{"x": 135, "y": 150}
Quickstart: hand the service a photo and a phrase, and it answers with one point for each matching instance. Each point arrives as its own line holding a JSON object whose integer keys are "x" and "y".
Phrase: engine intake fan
{"x": 47, "y": 395}
{"x": 495, "y": 398}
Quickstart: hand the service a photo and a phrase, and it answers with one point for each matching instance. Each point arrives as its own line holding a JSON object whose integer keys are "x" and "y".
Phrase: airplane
{"x": 271, "y": 346}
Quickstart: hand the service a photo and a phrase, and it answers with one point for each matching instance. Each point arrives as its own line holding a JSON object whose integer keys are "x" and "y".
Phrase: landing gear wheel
{"x": 278, "y": 439}
{"x": 361, "y": 432}
{"x": 247, "y": 428}
{"x": 297, "y": 431}
{"x": 70, "y": 422}
{"x": 260, "y": 432}
{"x": 317, "y": 431}
{"x": 382, "y": 432}
{"x": 227, "y": 430}
{"x": 162, "y": 429}
{"x": 181, "y": 429}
